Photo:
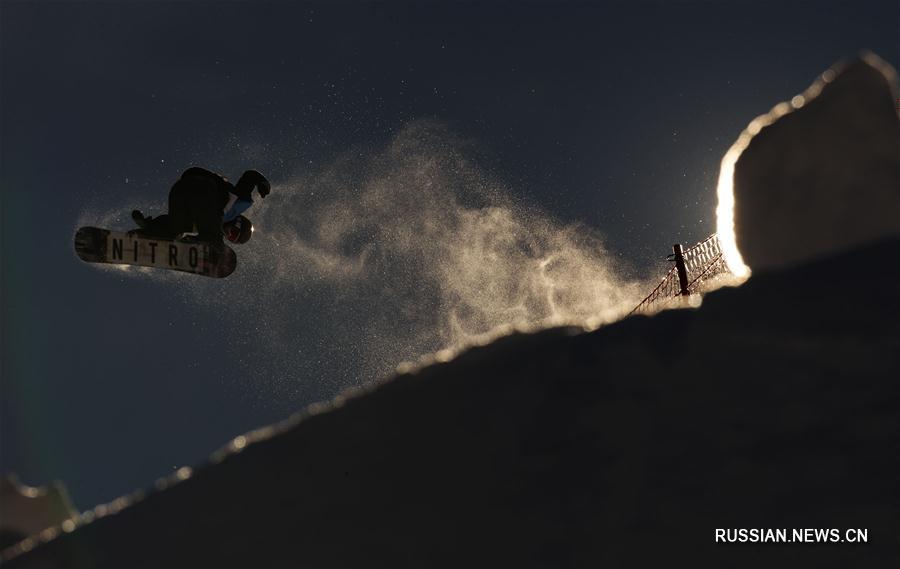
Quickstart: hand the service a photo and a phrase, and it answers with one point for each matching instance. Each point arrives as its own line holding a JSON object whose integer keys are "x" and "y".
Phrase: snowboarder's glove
{"x": 263, "y": 187}
{"x": 260, "y": 181}
{"x": 249, "y": 180}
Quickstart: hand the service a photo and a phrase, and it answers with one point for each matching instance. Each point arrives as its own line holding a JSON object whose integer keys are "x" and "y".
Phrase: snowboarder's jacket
{"x": 235, "y": 198}
{"x": 201, "y": 201}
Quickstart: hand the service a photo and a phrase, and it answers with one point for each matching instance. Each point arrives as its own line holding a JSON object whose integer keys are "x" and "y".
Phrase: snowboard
{"x": 96, "y": 245}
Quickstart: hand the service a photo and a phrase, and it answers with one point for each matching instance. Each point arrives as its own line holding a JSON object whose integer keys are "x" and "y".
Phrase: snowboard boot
{"x": 140, "y": 219}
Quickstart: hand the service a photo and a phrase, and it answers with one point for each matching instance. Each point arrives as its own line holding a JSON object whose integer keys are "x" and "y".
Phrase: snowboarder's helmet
{"x": 238, "y": 230}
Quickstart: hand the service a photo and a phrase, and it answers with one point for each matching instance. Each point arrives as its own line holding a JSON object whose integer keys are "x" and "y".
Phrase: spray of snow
{"x": 429, "y": 250}
{"x": 391, "y": 254}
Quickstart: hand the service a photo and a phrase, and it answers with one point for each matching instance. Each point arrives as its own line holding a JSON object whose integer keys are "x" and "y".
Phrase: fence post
{"x": 682, "y": 271}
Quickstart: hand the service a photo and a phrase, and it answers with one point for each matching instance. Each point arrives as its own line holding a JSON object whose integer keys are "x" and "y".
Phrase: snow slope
{"x": 774, "y": 405}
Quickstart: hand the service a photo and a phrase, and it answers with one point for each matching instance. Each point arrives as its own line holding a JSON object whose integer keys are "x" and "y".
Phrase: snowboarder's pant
{"x": 195, "y": 205}
{"x": 158, "y": 226}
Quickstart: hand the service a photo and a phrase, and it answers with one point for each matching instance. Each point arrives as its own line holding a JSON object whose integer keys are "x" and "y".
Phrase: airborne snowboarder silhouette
{"x": 206, "y": 203}
{"x": 204, "y": 210}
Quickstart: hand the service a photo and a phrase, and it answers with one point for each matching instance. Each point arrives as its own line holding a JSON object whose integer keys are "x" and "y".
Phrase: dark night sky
{"x": 614, "y": 116}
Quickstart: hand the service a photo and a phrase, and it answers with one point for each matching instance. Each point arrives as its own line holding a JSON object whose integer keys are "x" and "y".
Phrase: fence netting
{"x": 702, "y": 262}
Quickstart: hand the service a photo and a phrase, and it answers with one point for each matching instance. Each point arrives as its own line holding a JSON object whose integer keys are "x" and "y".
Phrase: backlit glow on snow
{"x": 725, "y": 212}
{"x": 725, "y": 209}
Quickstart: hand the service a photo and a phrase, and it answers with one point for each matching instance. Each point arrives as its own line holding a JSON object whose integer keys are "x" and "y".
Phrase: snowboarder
{"x": 208, "y": 204}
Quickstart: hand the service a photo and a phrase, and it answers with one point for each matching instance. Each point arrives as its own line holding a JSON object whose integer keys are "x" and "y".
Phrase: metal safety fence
{"x": 691, "y": 268}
